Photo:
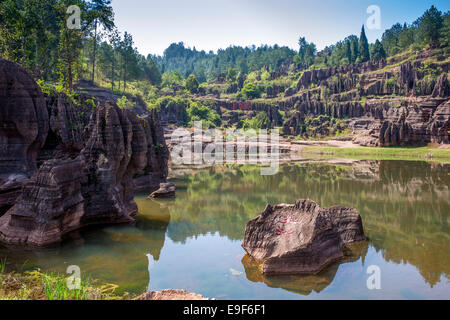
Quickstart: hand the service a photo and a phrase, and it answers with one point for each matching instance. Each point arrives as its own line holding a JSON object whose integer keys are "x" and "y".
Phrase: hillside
{"x": 403, "y": 100}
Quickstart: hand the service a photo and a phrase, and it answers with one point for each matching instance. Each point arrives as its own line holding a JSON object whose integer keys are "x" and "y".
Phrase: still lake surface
{"x": 194, "y": 241}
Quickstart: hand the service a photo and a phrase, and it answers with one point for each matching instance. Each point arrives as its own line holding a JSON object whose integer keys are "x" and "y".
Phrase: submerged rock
{"x": 302, "y": 238}
{"x": 166, "y": 190}
{"x": 170, "y": 295}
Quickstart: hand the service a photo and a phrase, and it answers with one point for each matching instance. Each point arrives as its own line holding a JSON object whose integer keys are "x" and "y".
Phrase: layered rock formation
{"x": 67, "y": 166}
{"x": 383, "y": 105}
{"x": 24, "y": 124}
{"x": 302, "y": 238}
{"x": 402, "y": 101}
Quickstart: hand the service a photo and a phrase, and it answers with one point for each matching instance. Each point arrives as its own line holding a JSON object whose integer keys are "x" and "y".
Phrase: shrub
{"x": 192, "y": 84}
{"x": 251, "y": 91}
{"x": 124, "y": 103}
{"x": 208, "y": 116}
{"x": 260, "y": 121}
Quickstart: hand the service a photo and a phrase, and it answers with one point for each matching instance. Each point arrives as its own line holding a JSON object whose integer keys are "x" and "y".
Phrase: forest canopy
{"x": 34, "y": 34}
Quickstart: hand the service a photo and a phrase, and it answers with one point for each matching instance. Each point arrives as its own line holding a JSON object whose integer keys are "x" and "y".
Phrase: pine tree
{"x": 192, "y": 84}
{"x": 363, "y": 48}
{"x": 348, "y": 51}
{"x": 445, "y": 31}
{"x": 429, "y": 26}
{"x": 100, "y": 14}
{"x": 377, "y": 52}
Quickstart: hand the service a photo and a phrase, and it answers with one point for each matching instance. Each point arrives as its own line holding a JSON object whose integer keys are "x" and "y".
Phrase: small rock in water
{"x": 166, "y": 190}
{"x": 302, "y": 238}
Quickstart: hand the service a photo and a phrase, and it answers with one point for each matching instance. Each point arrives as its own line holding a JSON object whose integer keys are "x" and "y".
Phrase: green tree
{"x": 429, "y": 26}
{"x": 389, "y": 40}
{"x": 243, "y": 67}
{"x": 307, "y": 51}
{"x": 348, "y": 51}
{"x": 115, "y": 41}
{"x": 128, "y": 58}
{"x": 198, "y": 112}
{"x": 231, "y": 75}
{"x": 250, "y": 91}
{"x": 70, "y": 46}
{"x": 171, "y": 79}
{"x": 405, "y": 37}
{"x": 445, "y": 31}
{"x": 353, "y": 47}
{"x": 100, "y": 15}
{"x": 192, "y": 84}
{"x": 363, "y": 48}
{"x": 377, "y": 51}
{"x": 152, "y": 71}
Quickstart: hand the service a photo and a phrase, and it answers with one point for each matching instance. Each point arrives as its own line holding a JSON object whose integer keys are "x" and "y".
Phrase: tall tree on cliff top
{"x": 429, "y": 26}
{"x": 100, "y": 15}
{"x": 445, "y": 32}
{"x": 129, "y": 57}
{"x": 363, "y": 48}
{"x": 70, "y": 44}
{"x": 306, "y": 52}
{"x": 377, "y": 51}
{"x": 353, "y": 47}
{"x": 114, "y": 40}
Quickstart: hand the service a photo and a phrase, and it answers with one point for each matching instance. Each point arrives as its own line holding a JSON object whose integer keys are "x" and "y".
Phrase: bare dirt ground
{"x": 326, "y": 143}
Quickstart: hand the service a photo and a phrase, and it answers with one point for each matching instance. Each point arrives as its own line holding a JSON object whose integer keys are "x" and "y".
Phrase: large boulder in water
{"x": 302, "y": 238}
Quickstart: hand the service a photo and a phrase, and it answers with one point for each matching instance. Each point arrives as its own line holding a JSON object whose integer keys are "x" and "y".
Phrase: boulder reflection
{"x": 304, "y": 284}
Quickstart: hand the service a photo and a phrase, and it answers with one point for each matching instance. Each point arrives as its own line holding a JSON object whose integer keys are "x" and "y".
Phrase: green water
{"x": 194, "y": 242}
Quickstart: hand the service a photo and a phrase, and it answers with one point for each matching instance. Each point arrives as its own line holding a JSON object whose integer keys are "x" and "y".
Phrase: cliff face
{"x": 401, "y": 101}
{"x": 64, "y": 166}
{"x": 404, "y": 103}
{"x": 24, "y": 125}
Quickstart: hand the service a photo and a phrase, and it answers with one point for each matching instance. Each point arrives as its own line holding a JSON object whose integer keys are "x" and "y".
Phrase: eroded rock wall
{"x": 71, "y": 165}
{"x": 24, "y": 125}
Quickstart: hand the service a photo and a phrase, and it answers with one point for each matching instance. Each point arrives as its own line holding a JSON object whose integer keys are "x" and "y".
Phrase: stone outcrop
{"x": 156, "y": 169}
{"x": 302, "y": 238}
{"x": 421, "y": 121}
{"x": 24, "y": 125}
{"x": 400, "y": 104}
{"x": 166, "y": 190}
{"x": 76, "y": 168}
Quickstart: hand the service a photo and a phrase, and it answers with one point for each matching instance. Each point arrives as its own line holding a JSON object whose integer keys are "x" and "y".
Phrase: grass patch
{"x": 36, "y": 285}
{"x": 388, "y": 153}
{"x": 2, "y": 266}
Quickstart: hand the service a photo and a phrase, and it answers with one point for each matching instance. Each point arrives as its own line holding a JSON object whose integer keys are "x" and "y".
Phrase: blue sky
{"x": 211, "y": 24}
